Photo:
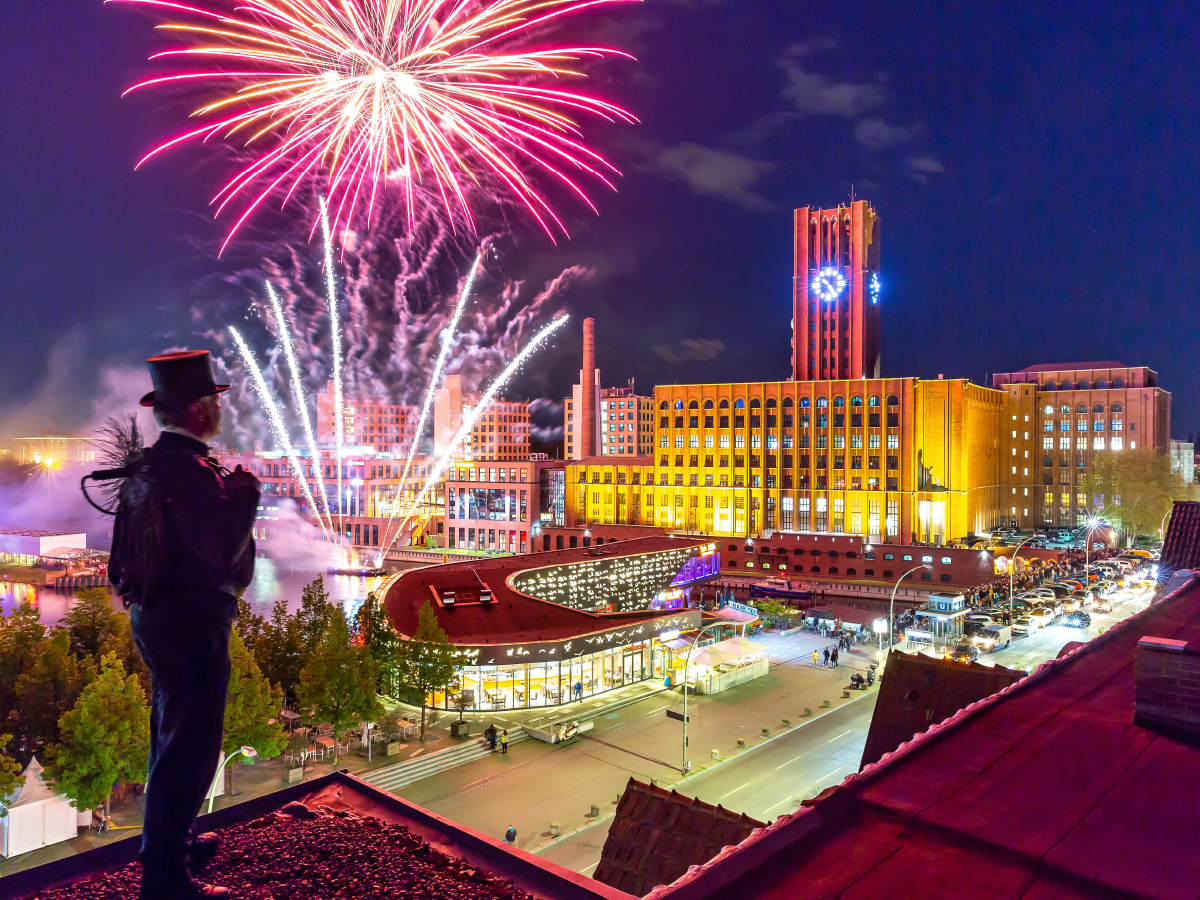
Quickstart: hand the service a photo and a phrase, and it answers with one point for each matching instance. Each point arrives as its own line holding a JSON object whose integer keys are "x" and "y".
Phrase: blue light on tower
{"x": 875, "y": 286}
{"x": 828, "y": 284}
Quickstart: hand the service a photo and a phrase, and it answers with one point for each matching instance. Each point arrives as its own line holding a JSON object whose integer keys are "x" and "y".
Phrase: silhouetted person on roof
{"x": 182, "y": 553}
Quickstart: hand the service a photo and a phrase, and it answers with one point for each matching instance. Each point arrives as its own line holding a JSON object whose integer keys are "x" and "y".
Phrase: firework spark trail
{"x": 273, "y": 413}
{"x": 289, "y": 351}
{"x": 360, "y": 93}
{"x": 434, "y": 380}
{"x": 469, "y": 421}
{"x": 336, "y": 338}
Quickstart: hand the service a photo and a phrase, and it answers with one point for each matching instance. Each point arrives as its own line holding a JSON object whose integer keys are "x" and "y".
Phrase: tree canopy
{"x": 47, "y": 691}
{"x": 105, "y": 738}
{"x": 1135, "y": 488}
{"x": 314, "y": 615}
{"x": 90, "y": 620}
{"x": 10, "y": 774}
{"x": 251, "y": 709}
{"x": 428, "y": 661}
{"x": 338, "y": 679}
{"x": 373, "y": 630}
{"x": 277, "y": 649}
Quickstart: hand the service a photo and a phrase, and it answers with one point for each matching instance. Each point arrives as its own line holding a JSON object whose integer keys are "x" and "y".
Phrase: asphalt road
{"x": 764, "y": 784}
{"x": 773, "y": 778}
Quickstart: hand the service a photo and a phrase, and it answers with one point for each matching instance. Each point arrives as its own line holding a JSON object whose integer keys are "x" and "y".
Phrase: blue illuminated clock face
{"x": 875, "y": 286}
{"x": 828, "y": 284}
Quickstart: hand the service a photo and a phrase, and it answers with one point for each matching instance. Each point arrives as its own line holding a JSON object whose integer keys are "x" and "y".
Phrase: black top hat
{"x": 181, "y": 378}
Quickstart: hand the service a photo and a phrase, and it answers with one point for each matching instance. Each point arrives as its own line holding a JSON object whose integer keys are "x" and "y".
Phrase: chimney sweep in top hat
{"x": 182, "y": 554}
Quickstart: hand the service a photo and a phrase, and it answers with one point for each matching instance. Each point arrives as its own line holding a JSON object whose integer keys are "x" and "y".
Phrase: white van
{"x": 993, "y": 638}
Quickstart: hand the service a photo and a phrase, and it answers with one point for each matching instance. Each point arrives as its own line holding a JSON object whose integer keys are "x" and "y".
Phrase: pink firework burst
{"x": 361, "y": 93}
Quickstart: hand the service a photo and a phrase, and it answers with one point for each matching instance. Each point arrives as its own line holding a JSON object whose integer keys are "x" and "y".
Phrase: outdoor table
{"x": 327, "y": 743}
{"x": 406, "y": 727}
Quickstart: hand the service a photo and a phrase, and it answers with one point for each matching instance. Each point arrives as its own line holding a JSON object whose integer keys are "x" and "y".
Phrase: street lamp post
{"x": 212, "y": 791}
{"x": 1162, "y": 528}
{"x": 1087, "y": 552}
{"x": 1011, "y": 566}
{"x": 686, "y": 663}
{"x": 891, "y": 609}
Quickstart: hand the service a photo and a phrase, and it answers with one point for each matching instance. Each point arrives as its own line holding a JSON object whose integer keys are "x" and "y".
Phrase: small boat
{"x": 780, "y": 587}
{"x": 364, "y": 572}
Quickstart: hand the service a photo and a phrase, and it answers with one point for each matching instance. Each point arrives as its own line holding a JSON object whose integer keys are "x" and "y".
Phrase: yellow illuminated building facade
{"x": 897, "y": 459}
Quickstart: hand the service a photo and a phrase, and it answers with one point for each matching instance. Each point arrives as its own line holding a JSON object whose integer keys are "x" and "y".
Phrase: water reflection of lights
{"x": 50, "y": 604}
{"x": 273, "y": 581}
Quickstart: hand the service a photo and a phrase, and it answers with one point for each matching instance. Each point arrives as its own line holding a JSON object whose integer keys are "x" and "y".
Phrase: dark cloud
{"x": 818, "y": 95}
{"x": 919, "y": 168}
{"x": 875, "y": 134}
{"x": 715, "y": 173}
{"x": 690, "y": 350}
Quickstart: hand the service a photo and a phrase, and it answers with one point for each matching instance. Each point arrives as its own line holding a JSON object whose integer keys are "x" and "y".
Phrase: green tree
{"x": 277, "y": 650}
{"x": 21, "y": 637}
{"x": 91, "y": 619}
{"x": 105, "y": 738}
{"x": 120, "y": 642}
{"x": 47, "y": 691}
{"x": 338, "y": 679}
{"x": 250, "y": 625}
{"x": 251, "y": 710}
{"x": 1136, "y": 488}
{"x": 428, "y": 661}
{"x": 314, "y": 615}
{"x": 373, "y": 630}
{"x": 770, "y": 607}
{"x": 10, "y": 774}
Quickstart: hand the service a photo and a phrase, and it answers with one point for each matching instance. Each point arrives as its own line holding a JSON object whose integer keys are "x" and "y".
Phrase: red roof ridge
{"x": 792, "y": 827}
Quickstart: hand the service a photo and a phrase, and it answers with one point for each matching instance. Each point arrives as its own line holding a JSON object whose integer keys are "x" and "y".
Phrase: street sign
{"x": 671, "y": 714}
{"x": 742, "y": 607}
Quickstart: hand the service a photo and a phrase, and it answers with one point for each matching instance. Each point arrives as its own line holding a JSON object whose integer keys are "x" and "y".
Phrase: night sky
{"x": 1034, "y": 166}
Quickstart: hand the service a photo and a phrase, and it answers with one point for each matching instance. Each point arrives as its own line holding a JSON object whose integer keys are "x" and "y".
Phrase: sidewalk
{"x": 537, "y": 784}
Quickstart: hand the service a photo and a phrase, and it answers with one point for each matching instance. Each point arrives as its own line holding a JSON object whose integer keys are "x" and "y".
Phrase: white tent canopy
{"x": 37, "y": 817}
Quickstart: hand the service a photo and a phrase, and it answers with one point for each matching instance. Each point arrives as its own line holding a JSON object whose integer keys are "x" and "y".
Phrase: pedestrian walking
{"x": 504, "y": 741}
{"x": 835, "y": 657}
{"x": 814, "y": 659}
{"x": 183, "y": 552}
{"x": 510, "y": 836}
{"x": 826, "y": 656}
{"x": 578, "y": 691}
{"x": 490, "y": 734}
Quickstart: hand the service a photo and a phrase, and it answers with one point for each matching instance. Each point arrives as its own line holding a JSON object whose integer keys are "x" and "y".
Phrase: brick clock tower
{"x": 835, "y": 293}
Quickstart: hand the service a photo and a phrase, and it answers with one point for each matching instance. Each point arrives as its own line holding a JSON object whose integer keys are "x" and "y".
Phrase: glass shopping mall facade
{"x": 529, "y": 676}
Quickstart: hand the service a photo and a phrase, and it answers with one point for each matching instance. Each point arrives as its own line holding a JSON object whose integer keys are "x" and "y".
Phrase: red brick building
{"x": 1062, "y": 416}
{"x": 835, "y": 293}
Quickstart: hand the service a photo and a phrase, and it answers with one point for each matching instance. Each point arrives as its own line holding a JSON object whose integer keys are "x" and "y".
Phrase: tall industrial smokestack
{"x": 587, "y": 382}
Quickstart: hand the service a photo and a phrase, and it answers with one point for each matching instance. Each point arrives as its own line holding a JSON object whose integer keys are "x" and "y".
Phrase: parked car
{"x": 1055, "y": 606}
{"x": 1077, "y": 619}
{"x": 1023, "y": 625}
{"x": 1085, "y": 598}
{"x": 964, "y": 653}
{"x": 993, "y": 638}
{"x": 1041, "y": 617}
{"x": 1070, "y": 603}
